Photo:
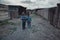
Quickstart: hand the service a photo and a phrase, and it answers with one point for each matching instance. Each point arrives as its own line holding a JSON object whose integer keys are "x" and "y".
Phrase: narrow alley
{"x": 40, "y": 30}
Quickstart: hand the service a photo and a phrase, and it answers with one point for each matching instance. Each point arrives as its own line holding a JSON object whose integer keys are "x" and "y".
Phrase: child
{"x": 29, "y": 20}
{"x": 23, "y": 18}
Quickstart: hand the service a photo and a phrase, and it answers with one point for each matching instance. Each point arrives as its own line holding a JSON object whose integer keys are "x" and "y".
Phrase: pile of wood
{"x": 3, "y": 12}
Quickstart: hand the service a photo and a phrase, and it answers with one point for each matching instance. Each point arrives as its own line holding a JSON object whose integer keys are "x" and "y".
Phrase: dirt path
{"x": 40, "y": 30}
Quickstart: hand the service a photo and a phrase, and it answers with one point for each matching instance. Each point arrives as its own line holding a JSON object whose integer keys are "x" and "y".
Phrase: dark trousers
{"x": 23, "y": 24}
{"x": 29, "y": 24}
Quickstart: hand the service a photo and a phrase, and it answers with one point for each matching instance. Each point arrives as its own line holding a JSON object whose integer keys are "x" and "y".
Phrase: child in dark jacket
{"x": 24, "y": 19}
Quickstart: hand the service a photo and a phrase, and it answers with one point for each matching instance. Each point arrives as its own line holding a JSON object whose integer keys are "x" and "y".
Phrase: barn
{"x": 10, "y": 11}
{"x": 15, "y": 11}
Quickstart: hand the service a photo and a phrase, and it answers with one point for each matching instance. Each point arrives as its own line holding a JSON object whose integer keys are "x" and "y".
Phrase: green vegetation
{"x": 6, "y": 22}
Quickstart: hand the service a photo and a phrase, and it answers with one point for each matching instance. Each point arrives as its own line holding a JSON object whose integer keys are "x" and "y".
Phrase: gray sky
{"x": 31, "y": 4}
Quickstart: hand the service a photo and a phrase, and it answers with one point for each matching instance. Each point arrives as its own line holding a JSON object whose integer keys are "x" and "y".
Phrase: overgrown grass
{"x": 6, "y": 22}
{"x": 7, "y": 31}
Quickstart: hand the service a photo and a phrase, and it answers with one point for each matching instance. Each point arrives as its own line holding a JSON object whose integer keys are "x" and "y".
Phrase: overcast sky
{"x": 31, "y": 4}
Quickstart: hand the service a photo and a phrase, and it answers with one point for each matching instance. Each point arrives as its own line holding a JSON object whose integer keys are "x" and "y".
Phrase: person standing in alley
{"x": 24, "y": 19}
{"x": 29, "y": 20}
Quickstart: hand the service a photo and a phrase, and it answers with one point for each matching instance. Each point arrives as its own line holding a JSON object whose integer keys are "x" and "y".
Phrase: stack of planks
{"x": 4, "y": 12}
